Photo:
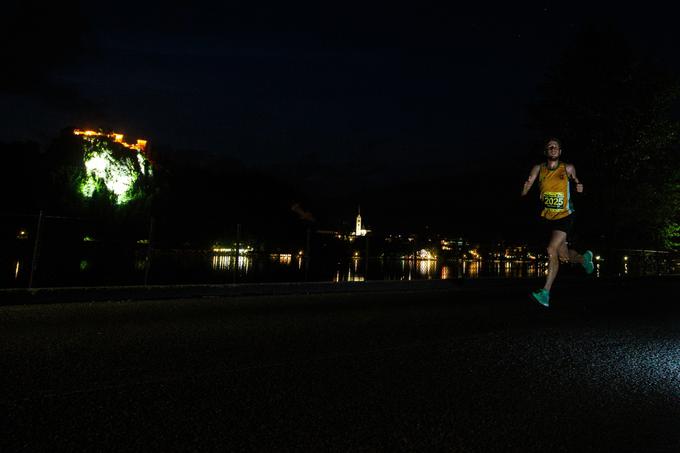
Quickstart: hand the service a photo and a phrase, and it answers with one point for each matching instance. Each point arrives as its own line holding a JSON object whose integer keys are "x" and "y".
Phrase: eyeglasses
{"x": 553, "y": 147}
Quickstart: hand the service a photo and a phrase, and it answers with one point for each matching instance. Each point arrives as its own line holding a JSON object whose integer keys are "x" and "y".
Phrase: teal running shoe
{"x": 588, "y": 262}
{"x": 542, "y": 296}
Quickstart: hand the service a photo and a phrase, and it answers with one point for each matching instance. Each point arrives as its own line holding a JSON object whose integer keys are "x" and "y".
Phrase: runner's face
{"x": 552, "y": 150}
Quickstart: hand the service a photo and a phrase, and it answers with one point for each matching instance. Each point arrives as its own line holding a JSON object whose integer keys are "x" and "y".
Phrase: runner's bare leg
{"x": 573, "y": 256}
{"x": 557, "y": 241}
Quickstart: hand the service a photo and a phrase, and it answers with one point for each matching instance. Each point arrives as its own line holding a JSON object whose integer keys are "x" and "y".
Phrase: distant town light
{"x": 425, "y": 254}
{"x": 241, "y": 250}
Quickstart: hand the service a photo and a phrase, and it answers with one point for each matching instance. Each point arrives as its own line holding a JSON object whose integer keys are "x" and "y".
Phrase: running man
{"x": 553, "y": 179}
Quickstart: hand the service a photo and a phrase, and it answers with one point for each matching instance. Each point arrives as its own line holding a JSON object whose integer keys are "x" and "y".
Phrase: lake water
{"x": 180, "y": 267}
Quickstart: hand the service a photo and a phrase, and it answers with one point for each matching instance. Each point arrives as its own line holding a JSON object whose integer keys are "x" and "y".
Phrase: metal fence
{"x": 52, "y": 250}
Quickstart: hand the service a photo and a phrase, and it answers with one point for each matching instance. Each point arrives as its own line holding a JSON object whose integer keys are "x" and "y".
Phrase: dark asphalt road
{"x": 474, "y": 370}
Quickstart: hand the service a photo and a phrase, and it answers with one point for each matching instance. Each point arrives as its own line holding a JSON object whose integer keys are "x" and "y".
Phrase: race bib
{"x": 553, "y": 200}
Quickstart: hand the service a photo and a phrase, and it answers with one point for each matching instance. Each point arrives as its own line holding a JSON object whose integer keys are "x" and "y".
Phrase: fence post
{"x": 147, "y": 270}
{"x": 238, "y": 246}
{"x": 36, "y": 249}
{"x": 366, "y": 260}
{"x": 307, "y": 255}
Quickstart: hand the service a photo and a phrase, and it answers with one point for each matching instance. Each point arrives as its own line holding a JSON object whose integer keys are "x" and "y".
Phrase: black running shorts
{"x": 565, "y": 224}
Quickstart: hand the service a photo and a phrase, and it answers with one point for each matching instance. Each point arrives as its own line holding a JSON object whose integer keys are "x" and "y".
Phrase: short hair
{"x": 552, "y": 139}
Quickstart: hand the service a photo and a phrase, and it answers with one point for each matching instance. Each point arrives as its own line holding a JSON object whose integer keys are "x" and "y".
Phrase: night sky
{"x": 270, "y": 83}
{"x": 384, "y": 88}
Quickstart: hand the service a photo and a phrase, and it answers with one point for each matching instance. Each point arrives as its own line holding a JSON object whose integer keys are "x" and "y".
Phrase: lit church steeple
{"x": 359, "y": 231}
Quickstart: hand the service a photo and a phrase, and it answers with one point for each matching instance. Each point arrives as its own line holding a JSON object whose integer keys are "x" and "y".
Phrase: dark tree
{"x": 613, "y": 108}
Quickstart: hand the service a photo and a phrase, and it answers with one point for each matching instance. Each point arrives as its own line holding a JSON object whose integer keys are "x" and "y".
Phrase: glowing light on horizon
{"x": 241, "y": 250}
{"x": 425, "y": 254}
{"x": 282, "y": 258}
{"x": 116, "y": 137}
{"x": 475, "y": 254}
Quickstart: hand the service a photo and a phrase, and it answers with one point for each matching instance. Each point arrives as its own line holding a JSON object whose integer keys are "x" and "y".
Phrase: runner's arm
{"x": 530, "y": 180}
{"x": 571, "y": 171}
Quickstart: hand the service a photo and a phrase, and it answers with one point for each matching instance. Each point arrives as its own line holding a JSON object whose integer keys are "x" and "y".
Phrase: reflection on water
{"x": 427, "y": 268}
{"x": 408, "y": 269}
{"x": 173, "y": 268}
{"x": 227, "y": 263}
{"x": 471, "y": 269}
{"x": 353, "y": 274}
{"x": 353, "y": 270}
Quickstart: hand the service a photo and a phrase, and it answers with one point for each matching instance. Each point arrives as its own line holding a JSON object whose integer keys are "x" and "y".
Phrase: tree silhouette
{"x": 613, "y": 108}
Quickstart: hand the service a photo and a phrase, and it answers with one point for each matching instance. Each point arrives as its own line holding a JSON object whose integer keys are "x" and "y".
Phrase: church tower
{"x": 359, "y": 231}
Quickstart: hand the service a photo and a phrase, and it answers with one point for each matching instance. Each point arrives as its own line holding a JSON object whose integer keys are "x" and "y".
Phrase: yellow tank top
{"x": 554, "y": 186}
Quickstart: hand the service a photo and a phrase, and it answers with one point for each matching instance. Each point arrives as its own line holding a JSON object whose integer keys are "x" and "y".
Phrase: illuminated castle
{"x": 118, "y": 138}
